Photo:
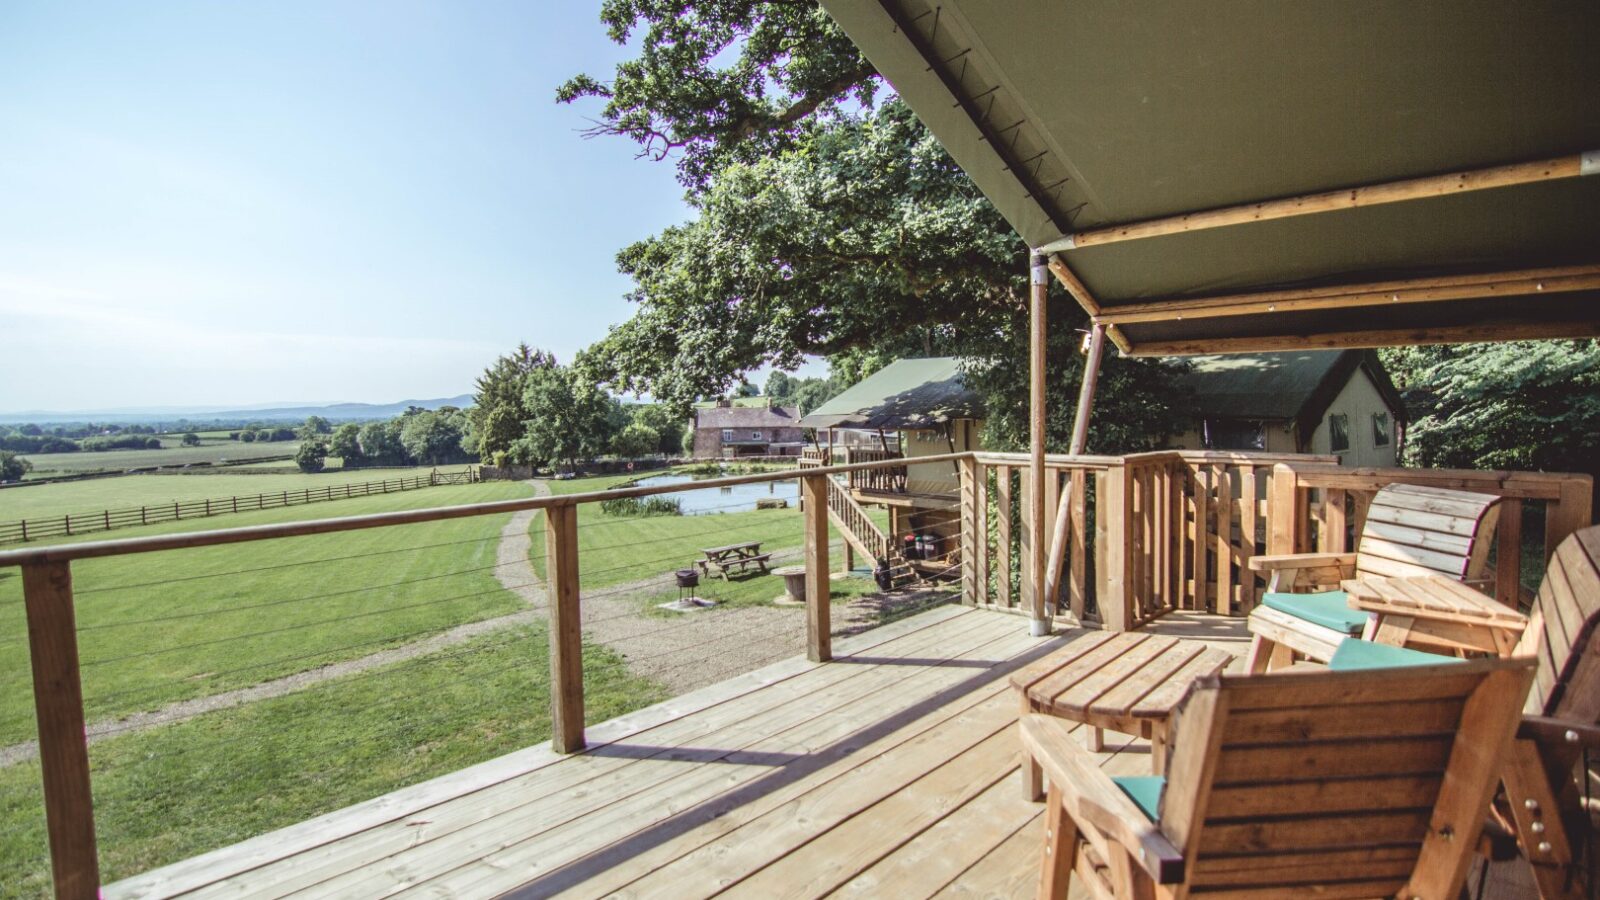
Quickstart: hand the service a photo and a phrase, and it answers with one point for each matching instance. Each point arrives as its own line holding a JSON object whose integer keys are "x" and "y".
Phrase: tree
{"x": 346, "y": 443}
{"x": 433, "y": 437}
{"x": 722, "y": 83}
{"x": 311, "y": 456}
{"x": 1517, "y": 405}
{"x": 314, "y": 425}
{"x": 665, "y": 422}
{"x": 13, "y": 467}
{"x": 498, "y": 412}
{"x": 380, "y": 443}
{"x": 634, "y": 441}
{"x": 569, "y": 417}
{"x": 248, "y": 436}
{"x": 190, "y": 439}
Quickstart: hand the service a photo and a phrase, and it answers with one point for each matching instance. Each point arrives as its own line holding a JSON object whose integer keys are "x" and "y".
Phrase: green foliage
{"x": 569, "y": 417}
{"x": 635, "y": 440}
{"x": 190, "y": 439}
{"x": 806, "y": 393}
{"x": 668, "y": 425}
{"x": 642, "y": 506}
{"x": 119, "y": 442}
{"x": 346, "y": 442}
{"x": 13, "y": 467}
{"x": 1516, "y": 405}
{"x": 434, "y": 437}
{"x": 724, "y": 82}
{"x": 380, "y": 443}
{"x": 314, "y": 425}
{"x": 311, "y": 456}
{"x": 498, "y": 413}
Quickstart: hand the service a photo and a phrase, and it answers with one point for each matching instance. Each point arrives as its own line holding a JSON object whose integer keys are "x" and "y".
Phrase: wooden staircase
{"x": 861, "y": 533}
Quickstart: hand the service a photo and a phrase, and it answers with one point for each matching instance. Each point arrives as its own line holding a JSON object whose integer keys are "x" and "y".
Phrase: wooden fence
{"x": 128, "y": 517}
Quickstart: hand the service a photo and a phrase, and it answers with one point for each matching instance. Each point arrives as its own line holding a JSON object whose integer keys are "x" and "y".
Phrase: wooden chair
{"x": 1544, "y": 780}
{"x": 1333, "y": 784}
{"x": 1409, "y": 530}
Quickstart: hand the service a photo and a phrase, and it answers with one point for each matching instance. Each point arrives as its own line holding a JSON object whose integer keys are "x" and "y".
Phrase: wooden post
{"x": 1572, "y": 511}
{"x": 967, "y": 470}
{"x": 1224, "y": 595}
{"x": 1114, "y": 512}
{"x": 1077, "y": 585}
{"x": 1002, "y": 512}
{"x": 566, "y": 629}
{"x": 1282, "y": 506}
{"x": 819, "y": 627}
{"x": 1508, "y": 558}
{"x": 1039, "y": 292}
{"x": 63, "y": 748}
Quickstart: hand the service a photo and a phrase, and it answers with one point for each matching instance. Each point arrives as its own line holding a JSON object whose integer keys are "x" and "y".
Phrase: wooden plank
{"x": 1508, "y": 554}
{"x": 1393, "y": 792}
{"x": 967, "y": 474}
{"x": 1202, "y": 535}
{"x": 1115, "y": 510}
{"x": 1223, "y": 487}
{"x": 1077, "y": 584}
{"x": 819, "y": 629}
{"x": 1249, "y": 592}
{"x": 1569, "y": 512}
{"x": 1367, "y": 338}
{"x": 981, "y": 541}
{"x": 1003, "y": 537}
{"x": 566, "y": 628}
{"x": 755, "y": 704}
{"x": 1025, "y": 533}
{"x": 63, "y": 750}
{"x": 587, "y": 815}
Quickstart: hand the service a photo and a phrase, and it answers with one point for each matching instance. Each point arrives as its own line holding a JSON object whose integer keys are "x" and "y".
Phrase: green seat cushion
{"x": 1330, "y": 609}
{"x": 1144, "y": 791}
{"x": 1354, "y": 655}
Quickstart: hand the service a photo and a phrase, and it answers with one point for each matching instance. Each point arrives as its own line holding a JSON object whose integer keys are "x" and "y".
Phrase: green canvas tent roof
{"x": 1077, "y": 116}
{"x": 905, "y": 394}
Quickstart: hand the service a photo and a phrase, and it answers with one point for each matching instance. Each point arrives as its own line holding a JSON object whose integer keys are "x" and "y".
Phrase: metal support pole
{"x": 1039, "y": 291}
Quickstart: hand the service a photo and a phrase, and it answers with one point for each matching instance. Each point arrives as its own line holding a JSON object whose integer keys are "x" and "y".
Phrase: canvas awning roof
{"x": 907, "y": 394}
{"x": 1073, "y": 117}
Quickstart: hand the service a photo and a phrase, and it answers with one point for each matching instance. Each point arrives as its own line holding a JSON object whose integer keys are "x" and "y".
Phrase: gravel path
{"x": 688, "y": 652}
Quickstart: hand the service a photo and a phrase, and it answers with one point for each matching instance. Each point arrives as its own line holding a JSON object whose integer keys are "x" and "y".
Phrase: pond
{"x": 736, "y": 498}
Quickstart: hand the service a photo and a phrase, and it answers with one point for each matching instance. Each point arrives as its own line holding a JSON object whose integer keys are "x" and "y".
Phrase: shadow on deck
{"x": 889, "y": 771}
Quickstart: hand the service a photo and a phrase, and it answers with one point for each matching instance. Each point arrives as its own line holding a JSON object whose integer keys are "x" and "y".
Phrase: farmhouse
{"x": 1338, "y": 402}
{"x": 725, "y": 431}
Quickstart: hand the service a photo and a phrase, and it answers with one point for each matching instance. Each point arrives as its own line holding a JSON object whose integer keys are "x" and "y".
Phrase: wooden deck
{"x": 891, "y": 771}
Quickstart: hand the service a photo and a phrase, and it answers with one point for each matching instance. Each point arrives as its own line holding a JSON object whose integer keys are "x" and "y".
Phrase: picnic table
{"x": 741, "y": 557}
{"x": 1435, "y": 613}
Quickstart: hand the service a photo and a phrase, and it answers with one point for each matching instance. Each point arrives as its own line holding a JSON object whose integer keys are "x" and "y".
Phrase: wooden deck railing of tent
{"x": 1147, "y": 533}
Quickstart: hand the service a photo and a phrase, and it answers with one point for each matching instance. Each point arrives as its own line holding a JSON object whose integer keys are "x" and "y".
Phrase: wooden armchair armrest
{"x": 1300, "y": 561}
{"x": 1545, "y": 730}
{"x": 1091, "y": 797}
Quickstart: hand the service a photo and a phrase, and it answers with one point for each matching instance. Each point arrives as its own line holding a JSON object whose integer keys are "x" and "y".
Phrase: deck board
{"x": 892, "y": 770}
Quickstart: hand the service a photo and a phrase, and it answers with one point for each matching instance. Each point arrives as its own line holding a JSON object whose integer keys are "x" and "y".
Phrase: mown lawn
{"x": 180, "y": 790}
{"x": 160, "y": 627}
{"x": 171, "y": 454}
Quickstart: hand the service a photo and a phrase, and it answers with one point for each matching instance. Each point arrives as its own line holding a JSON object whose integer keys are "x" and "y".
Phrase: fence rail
{"x": 33, "y": 529}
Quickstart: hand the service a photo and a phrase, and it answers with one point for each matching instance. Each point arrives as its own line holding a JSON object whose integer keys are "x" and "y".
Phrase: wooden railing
{"x": 1323, "y": 508}
{"x": 880, "y": 479}
{"x": 52, "y": 632}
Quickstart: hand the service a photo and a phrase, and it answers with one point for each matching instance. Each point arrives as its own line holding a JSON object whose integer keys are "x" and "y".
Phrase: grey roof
{"x": 906, "y": 394}
{"x": 1298, "y": 385}
{"x": 747, "y": 417}
{"x": 1071, "y": 116}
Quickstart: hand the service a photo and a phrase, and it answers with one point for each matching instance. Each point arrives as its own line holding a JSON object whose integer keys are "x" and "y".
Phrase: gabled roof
{"x": 1079, "y": 119}
{"x": 906, "y": 394}
{"x": 747, "y": 417}
{"x": 1295, "y": 385}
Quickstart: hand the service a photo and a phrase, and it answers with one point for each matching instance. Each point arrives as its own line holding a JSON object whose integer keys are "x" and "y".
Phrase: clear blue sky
{"x": 231, "y": 203}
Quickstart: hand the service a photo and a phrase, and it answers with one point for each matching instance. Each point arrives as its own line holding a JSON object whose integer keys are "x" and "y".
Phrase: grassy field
{"x": 160, "y": 627}
{"x": 95, "y": 494}
{"x": 184, "y": 789}
{"x": 171, "y": 454}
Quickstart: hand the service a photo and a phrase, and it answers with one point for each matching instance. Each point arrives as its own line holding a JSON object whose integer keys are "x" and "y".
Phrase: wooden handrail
{"x": 125, "y": 546}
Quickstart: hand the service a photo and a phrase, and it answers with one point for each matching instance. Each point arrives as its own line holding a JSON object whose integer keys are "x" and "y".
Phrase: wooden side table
{"x": 1436, "y": 613}
{"x": 1127, "y": 682}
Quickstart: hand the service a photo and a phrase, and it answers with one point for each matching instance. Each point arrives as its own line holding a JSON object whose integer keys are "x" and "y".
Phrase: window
{"x": 1233, "y": 434}
{"x": 1339, "y": 433}
{"x": 755, "y": 435}
{"x": 727, "y": 434}
{"x": 1380, "y": 429}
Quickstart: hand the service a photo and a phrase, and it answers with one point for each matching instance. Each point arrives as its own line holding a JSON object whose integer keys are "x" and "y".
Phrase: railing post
{"x": 1115, "y": 514}
{"x": 819, "y": 625}
{"x": 566, "y": 628}
{"x": 63, "y": 748}
{"x": 1283, "y": 505}
{"x": 968, "y": 472}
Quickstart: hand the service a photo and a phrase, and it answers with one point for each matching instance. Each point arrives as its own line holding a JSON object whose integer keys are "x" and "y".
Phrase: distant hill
{"x": 266, "y": 413}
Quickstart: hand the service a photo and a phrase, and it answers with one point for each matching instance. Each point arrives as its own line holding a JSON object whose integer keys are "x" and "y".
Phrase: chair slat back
{"x": 1561, "y": 627}
{"x": 1333, "y": 784}
{"x": 1416, "y": 530}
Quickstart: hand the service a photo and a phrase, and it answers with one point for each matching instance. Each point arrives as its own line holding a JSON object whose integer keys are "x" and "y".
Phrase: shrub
{"x": 13, "y": 467}
{"x": 642, "y": 506}
{"x": 311, "y": 457}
